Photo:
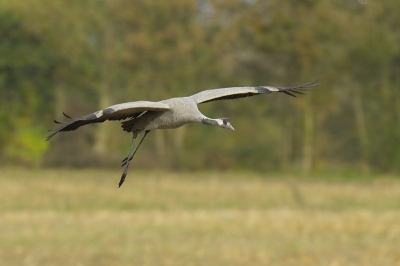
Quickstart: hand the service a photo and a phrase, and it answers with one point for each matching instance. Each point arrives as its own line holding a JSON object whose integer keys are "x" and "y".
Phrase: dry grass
{"x": 80, "y": 218}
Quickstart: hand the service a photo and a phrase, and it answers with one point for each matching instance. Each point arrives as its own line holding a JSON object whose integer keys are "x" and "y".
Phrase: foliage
{"x": 78, "y": 56}
{"x": 27, "y": 145}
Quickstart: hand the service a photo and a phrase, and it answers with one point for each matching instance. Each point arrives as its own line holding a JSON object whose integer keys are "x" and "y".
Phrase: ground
{"x": 72, "y": 217}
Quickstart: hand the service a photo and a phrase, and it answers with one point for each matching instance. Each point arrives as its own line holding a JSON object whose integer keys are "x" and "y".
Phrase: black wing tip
{"x": 58, "y": 129}
{"x": 306, "y": 85}
{"x": 311, "y": 84}
{"x": 298, "y": 92}
{"x": 295, "y": 89}
{"x": 67, "y": 116}
{"x": 51, "y": 135}
{"x": 288, "y": 93}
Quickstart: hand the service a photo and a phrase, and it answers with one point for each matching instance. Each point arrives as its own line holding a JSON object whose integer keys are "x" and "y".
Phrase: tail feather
{"x": 128, "y": 125}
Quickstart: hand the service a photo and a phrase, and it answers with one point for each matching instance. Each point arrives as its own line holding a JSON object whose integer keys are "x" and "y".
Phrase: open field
{"x": 63, "y": 217}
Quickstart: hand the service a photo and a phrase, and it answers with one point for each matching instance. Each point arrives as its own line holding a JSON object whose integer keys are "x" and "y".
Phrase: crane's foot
{"x": 121, "y": 181}
{"x": 124, "y": 161}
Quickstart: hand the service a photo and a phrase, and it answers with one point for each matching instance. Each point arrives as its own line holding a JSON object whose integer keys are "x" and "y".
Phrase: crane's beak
{"x": 230, "y": 126}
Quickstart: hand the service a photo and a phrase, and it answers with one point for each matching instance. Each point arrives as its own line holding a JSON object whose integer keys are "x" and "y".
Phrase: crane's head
{"x": 225, "y": 123}
{"x": 221, "y": 122}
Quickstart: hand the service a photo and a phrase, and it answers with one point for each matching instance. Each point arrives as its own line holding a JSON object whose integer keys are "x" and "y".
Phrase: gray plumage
{"x": 144, "y": 116}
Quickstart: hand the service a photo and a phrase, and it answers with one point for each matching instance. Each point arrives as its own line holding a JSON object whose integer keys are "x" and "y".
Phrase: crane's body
{"x": 171, "y": 118}
{"x": 145, "y": 116}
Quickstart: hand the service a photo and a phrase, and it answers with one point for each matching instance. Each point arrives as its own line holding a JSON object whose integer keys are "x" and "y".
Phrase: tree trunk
{"x": 308, "y": 139}
{"x": 60, "y": 100}
{"x": 161, "y": 149}
{"x": 287, "y": 143}
{"x": 102, "y": 136}
{"x": 361, "y": 129}
{"x": 178, "y": 137}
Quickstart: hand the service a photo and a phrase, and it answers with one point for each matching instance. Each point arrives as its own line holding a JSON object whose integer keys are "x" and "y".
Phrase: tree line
{"x": 81, "y": 56}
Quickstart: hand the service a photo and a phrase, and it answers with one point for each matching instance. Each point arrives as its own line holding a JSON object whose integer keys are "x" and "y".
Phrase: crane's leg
{"x": 125, "y": 160}
{"x": 121, "y": 181}
{"x": 130, "y": 156}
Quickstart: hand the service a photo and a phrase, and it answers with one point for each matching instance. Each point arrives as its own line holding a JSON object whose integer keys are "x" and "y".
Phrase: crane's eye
{"x": 225, "y": 121}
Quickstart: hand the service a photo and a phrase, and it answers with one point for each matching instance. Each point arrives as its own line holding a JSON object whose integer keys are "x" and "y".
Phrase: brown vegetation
{"x": 82, "y": 218}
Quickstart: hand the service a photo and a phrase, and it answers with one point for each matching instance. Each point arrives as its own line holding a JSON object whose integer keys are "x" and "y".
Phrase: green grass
{"x": 65, "y": 217}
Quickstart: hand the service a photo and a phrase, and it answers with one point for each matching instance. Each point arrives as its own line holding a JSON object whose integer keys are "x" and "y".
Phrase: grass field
{"x": 64, "y": 217}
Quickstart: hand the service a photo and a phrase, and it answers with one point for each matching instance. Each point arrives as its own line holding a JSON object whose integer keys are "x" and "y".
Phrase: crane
{"x": 145, "y": 116}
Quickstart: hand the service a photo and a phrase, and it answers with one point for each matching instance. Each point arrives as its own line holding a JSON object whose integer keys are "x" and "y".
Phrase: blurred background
{"x": 81, "y": 56}
{"x": 312, "y": 180}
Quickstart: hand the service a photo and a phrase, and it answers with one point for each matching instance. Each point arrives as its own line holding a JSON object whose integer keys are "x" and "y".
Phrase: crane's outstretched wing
{"x": 115, "y": 112}
{"x": 241, "y": 92}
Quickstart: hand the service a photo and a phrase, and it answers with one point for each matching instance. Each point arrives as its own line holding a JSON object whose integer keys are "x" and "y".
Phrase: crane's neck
{"x": 221, "y": 122}
{"x": 210, "y": 121}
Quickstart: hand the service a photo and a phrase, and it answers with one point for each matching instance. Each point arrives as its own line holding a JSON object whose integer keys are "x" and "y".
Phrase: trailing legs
{"x": 130, "y": 156}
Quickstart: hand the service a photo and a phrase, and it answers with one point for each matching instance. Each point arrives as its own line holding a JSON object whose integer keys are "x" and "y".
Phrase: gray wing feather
{"x": 114, "y": 112}
{"x": 224, "y": 94}
{"x": 241, "y": 92}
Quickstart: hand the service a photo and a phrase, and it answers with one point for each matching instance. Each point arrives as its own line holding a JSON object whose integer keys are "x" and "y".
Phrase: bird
{"x": 145, "y": 116}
